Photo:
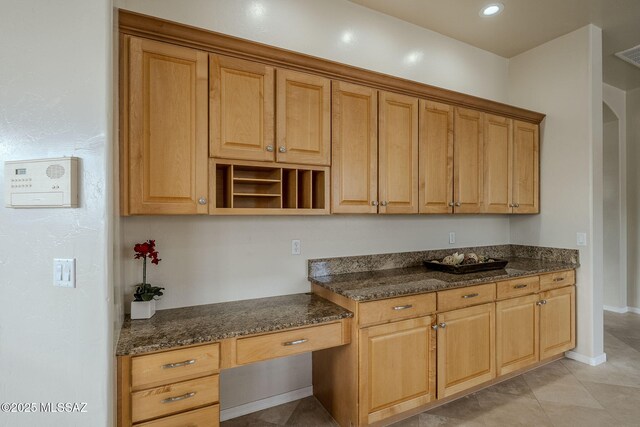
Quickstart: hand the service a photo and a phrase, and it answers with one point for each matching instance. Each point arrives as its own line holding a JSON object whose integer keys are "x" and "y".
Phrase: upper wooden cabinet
{"x": 303, "y": 111}
{"x": 497, "y": 160}
{"x": 468, "y": 161}
{"x": 164, "y": 128}
{"x": 241, "y": 110}
{"x": 436, "y": 157}
{"x": 398, "y": 154}
{"x": 354, "y": 153}
{"x": 526, "y": 157}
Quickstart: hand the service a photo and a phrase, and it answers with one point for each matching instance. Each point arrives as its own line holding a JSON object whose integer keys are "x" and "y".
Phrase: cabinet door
{"x": 517, "y": 333}
{"x": 436, "y": 158}
{"x": 354, "y": 151}
{"x": 526, "y": 172}
{"x": 166, "y": 142}
{"x": 498, "y": 162}
{"x": 468, "y": 166}
{"x": 303, "y": 118}
{"x": 398, "y": 154}
{"x": 397, "y": 368}
{"x": 557, "y": 321}
{"x": 242, "y": 109}
{"x": 466, "y": 348}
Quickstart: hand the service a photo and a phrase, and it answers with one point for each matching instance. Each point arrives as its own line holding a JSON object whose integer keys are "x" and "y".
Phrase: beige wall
{"x": 563, "y": 78}
{"x": 633, "y": 197}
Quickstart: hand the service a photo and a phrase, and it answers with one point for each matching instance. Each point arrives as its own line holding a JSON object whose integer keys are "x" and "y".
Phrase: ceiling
{"x": 524, "y": 24}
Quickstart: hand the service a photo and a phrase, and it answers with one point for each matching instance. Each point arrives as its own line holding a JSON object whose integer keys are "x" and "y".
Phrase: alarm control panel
{"x": 43, "y": 183}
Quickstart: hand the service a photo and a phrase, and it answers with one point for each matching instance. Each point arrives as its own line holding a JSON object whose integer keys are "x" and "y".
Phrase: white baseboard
{"x": 259, "y": 405}
{"x": 622, "y": 310}
{"x": 593, "y": 361}
{"x": 633, "y": 310}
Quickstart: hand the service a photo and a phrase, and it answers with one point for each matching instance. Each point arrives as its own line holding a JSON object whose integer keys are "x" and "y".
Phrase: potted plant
{"x": 143, "y": 305}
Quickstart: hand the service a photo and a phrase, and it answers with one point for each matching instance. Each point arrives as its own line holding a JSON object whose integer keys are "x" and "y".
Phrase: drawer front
{"x": 204, "y": 417}
{"x": 176, "y": 365}
{"x": 465, "y": 297}
{"x": 518, "y": 287}
{"x": 174, "y": 398}
{"x": 390, "y": 309}
{"x": 287, "y": 343}
{"x": 557, "y": 280}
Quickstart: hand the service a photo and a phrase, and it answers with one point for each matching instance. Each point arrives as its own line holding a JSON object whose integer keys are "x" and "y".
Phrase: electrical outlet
{"x": 64, "y": 273}
{"x": 581, "y": 239}
{"x": 452, "y": 237}
{"x": 295, "y": 247}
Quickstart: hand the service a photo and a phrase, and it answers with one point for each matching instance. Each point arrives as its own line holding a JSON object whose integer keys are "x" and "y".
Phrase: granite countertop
{"x": 379, "y": 284}
{"x": 213, "y": 322}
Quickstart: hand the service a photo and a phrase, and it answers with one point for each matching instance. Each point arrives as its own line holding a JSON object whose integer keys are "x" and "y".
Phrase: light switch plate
{"x": 452, "y": 238}
{"x": 64, "y": 272}
{"x": 295, "y": 247}
{"x": 581, "y": 239}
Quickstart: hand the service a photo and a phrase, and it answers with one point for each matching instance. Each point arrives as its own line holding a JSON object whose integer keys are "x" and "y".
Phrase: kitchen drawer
{"x": 465, "y": 297}
{"x": 287, "y": 343}
{"x": 174, "y": 398}
{"x": 386, "y": 310}
{"x": 557, "y": 280}
{"x": 176, "y": 365}
{"x": 518, "y": 287}
{"x": 203, "y": 417}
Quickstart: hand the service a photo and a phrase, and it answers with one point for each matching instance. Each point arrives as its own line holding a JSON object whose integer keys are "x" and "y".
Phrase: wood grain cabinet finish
{"x": 498, "y": 164}
{"x": 397, "y": 368}
{"x": 203, "y": 417}
{"x": 303, "y": 118}
{"x": 466, "y": 348}
{"x": 436, "y": 158}
{"x": 517, "y": 334}
{"x": 468, "y": 162}
{"x": 354, "y": 151}
{"x": 398, "y": 154}
{"x": 526, "y": 170}
{"x": 517, "y": 287}
{"x": 164, "y": 162}
{"x": 557, "y": 321}
{"x": 390, "y": 309}
{"x": 241, "y": 109}
{"x": 557, "y": 280}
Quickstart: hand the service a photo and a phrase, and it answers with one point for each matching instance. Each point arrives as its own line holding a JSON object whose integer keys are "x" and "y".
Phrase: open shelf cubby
{"x": 265, "y": 188}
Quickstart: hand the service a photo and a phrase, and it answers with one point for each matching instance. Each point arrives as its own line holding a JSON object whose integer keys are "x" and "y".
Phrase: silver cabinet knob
{"x": 542, "y": 302}
{"x": 517, "y": 205}
{"x": 457, "y": 203}
{"x": 442, "y": 325}
{"x": 282, "y": 149}
{"x": 511, "y": 205}
{"x": 383, "y": 203}
{"x": 202, "y": 200}
{"x": 451, "y": 204}
{"x": 269, "y": 148}
{"x": 434, "y": 327}
{"x": 374, "y": 203}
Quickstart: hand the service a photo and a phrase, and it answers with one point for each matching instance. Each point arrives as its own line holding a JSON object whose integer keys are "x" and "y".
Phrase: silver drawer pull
{"x": 178, "y": 398}
{"x": 179, "y": 364}
{"x": 558, "y": 279}
{"x": 402, "y": 307}
{"x": 296, "y": 342}
{"x": 520, "y": 286}
{"x": 470, "y": 296}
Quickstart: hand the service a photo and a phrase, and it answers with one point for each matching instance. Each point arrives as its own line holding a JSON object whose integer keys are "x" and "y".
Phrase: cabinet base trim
{"x": 269, "y": 402}
{"x": 592, "y": 361}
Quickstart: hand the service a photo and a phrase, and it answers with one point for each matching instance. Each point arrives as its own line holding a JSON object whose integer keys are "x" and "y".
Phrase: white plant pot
{"x": 143, "y": 309}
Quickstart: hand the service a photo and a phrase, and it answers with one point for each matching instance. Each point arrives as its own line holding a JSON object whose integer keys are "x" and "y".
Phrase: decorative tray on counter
{"x": 463, "y": 264}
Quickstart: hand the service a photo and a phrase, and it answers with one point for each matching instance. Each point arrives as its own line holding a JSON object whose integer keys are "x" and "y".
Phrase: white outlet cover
{"x": 295, "y": 247}
{"x": 581, "y": 239}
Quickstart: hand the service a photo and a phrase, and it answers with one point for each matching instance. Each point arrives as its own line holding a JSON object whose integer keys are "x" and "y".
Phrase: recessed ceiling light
{"x": 491, "y": 9}
{"x": 347, "y": 36}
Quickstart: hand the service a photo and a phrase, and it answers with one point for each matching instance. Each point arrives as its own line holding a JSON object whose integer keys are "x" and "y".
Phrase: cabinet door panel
{"x": 242, "y": 109}
{"x": 557, "y": 321}
{"x": 398, "y": 154}
{"x": 167, "y": 148}
{"x": 498, "y": 147}
{"x": 526, "y": 157}
{"x": 468, "y": 166}
{"x": 354, "y": 153}
{"x": 303, "y": 118}
{"x": 436, "y": 157}
{"x": 517, "y": 344}
{"x": 397, "y": 363}
{"x": 466, "y": 348}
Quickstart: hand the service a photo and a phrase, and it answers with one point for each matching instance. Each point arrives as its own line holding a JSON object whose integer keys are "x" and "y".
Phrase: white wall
{"x": 55, "y": 343}
{"x": 208, "y": 260}
{"x": 633, "y": 197}
{"x": 615, "y": 200}
{"x": 563, "y": 78}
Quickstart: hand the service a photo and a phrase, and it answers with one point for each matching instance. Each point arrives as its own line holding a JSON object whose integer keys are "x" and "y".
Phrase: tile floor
{"x": 564, "y": 393}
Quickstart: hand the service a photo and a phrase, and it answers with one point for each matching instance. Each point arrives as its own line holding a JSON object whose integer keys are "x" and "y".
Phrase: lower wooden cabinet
{"x": 557, "y": 321}
{"x": 517, "y": 336}
{"x": 203, "y": 417}
{"x": 397, "y": 368}
{"x": 466, "y": 348}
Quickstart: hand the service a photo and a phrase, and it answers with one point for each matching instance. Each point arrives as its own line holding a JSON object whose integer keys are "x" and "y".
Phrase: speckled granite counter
{"x": 348, "y": 276}
{"x": 213, "y": 322}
